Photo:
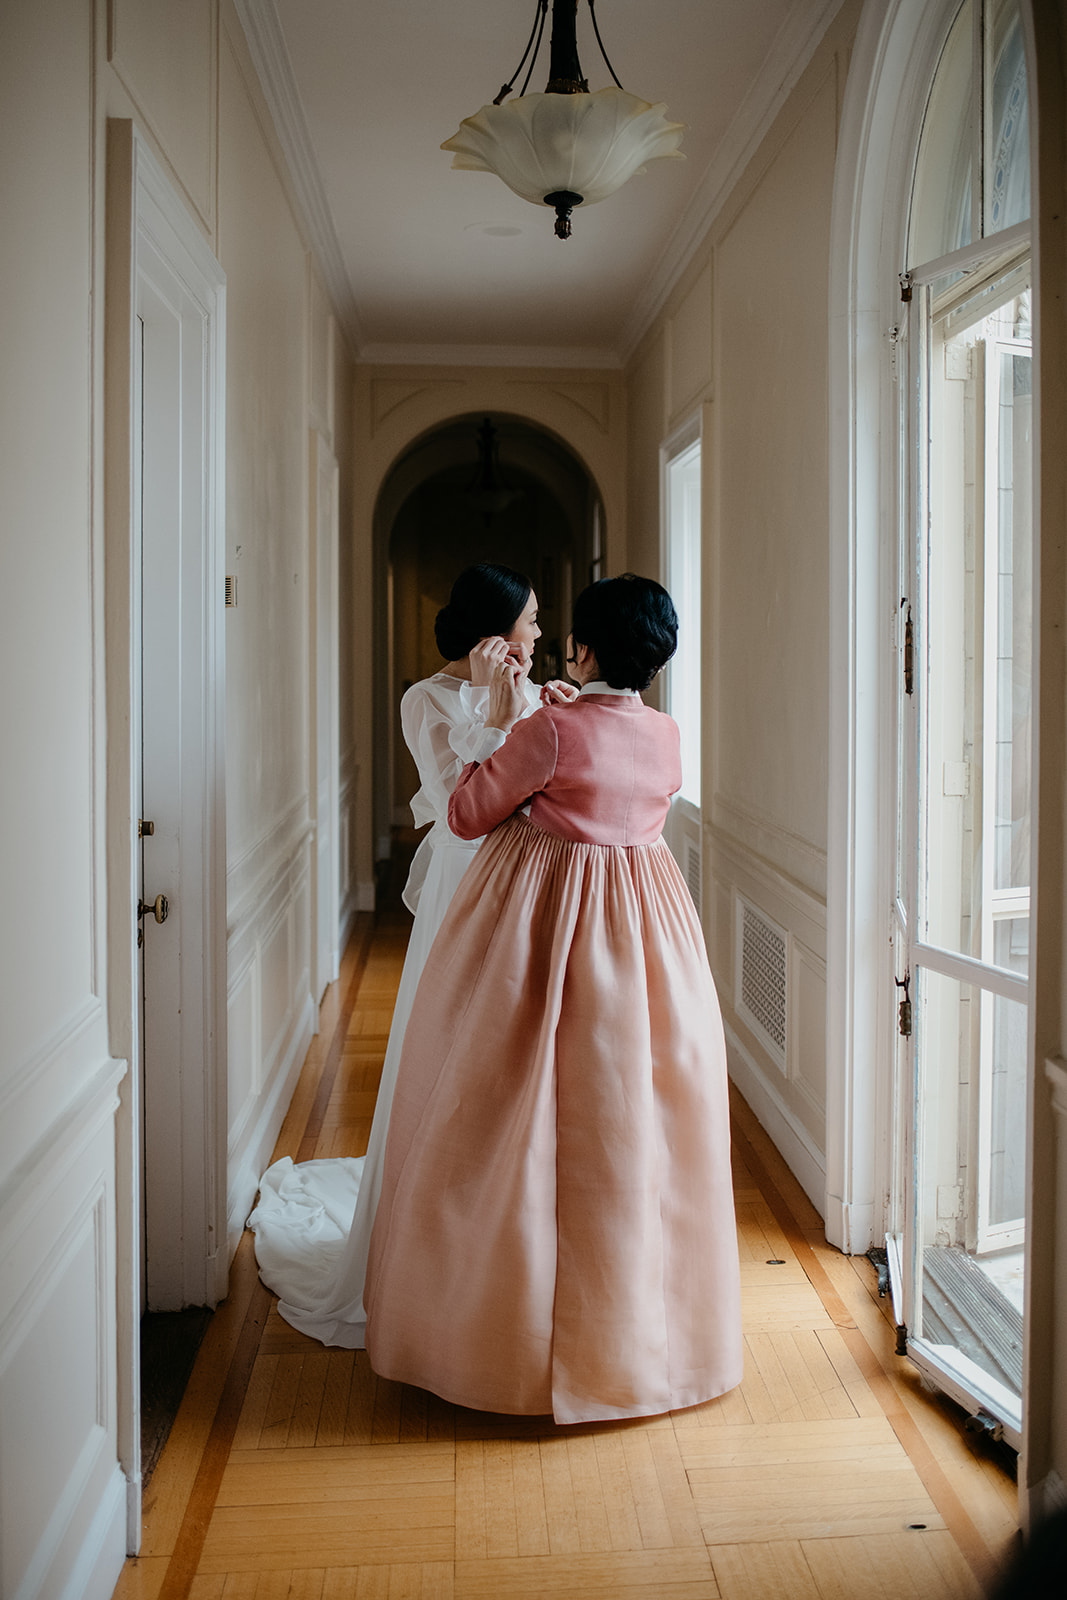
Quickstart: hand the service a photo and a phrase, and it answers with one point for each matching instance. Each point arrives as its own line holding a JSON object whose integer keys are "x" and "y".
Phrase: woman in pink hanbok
{"x": 313, "y": 1219}
{"x": 556, "y": 1227}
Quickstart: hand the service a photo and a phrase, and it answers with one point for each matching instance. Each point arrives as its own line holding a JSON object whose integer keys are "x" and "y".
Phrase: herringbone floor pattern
{"x": 294, "y": 1473}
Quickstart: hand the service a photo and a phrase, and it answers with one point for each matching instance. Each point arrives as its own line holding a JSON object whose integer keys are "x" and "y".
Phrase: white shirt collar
{"x": 604, "y": 688}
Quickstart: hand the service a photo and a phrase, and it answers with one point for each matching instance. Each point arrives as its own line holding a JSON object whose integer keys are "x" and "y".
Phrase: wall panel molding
{"x": 251, "y": 873}
{"x": 57, "y": 1370}
{"x": 187, "y": 148}
{"x": 758, "y": 835}
{"x": 32, "y": 1092}
{"x": 76, "y": 1122}
{"x": 271, "y": 1012}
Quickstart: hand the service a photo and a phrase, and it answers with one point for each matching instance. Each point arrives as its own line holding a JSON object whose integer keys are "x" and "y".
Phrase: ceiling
{"x": 427, "y": 264}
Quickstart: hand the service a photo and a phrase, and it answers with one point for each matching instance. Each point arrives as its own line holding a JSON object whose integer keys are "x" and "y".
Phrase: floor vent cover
{"x": 762, "y": 991}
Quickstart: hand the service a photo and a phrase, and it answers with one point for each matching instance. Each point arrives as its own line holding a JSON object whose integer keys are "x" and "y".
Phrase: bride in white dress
{"x": 313, "y": 1221}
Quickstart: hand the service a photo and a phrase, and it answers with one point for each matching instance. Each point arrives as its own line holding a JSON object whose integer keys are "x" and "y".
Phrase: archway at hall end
{"x": 485, "y": 486}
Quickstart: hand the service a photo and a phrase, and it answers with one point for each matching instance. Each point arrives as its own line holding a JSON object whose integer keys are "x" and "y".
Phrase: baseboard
{"x": 349, "y": 912}
{"x": 849, "y": 1225}
{"x": 1046, "y": 1498}
{"x": 792, "y": 1142}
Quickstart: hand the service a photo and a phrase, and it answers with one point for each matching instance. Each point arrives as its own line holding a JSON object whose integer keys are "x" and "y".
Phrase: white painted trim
{"x": 797, "y": 40}
{"x": 250, "y": 876}
{"x": 259, "y": 1146}
{"x": 804, "y": 27}
{"x": 754, "y": 832}
{"x": 491, "y": 355}
{"x": 64, "y": 1139}
{"x": 790, "y": 1138}
{"x": 270, "y": 57}
{"x": 972, "y": 1388}
{"x": 879, "y": 124}
{"x": 67, "y": 1040}
{"x": 100, "y": 1560}
{"x": 139, "y": 198}
{"x": 162, "y": 222}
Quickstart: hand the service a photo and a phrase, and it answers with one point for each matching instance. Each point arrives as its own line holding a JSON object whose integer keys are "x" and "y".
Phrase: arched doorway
{"x": 482, "y": 487}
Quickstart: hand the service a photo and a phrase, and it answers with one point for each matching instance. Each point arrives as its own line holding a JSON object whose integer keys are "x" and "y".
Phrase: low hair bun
{"x": 486, "y": 600}
{"x": 452, "y": 634}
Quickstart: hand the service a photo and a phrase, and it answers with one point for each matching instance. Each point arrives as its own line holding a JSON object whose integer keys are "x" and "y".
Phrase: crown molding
{"x": 795, "y": 43}
{"x": 274, "y": 68}
{"x": 488, "y": 355}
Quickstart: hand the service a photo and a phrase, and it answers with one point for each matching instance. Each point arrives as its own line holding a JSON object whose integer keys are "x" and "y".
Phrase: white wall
{"x": 67, "y": 1223}
{"x": 743, "y": 342}
{"x": 62, "y": 1496}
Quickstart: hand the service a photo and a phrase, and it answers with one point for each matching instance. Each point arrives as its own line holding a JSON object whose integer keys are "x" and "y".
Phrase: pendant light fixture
{"x": 566, "y": 147}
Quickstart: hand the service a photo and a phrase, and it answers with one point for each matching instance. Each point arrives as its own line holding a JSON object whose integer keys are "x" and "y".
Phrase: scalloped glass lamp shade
{"x": 566, "y": 149}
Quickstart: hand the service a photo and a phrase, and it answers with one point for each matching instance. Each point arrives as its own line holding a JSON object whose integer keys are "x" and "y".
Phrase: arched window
{"x": 931, "y": 744}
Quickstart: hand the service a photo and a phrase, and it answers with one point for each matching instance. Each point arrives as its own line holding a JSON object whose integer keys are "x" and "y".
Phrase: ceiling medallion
{"x": 566, "y": 147}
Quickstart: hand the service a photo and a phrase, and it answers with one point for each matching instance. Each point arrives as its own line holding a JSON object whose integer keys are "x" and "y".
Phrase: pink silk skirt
{"x": 556, "y": 1226}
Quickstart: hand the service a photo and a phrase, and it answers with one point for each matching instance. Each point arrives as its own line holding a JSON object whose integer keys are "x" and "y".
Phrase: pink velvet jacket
{"x": 600, "y": 770}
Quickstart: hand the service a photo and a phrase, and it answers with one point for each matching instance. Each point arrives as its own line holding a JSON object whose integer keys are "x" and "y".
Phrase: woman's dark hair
{"x": 630, "y": 625}
{"x": 485, "y": 600}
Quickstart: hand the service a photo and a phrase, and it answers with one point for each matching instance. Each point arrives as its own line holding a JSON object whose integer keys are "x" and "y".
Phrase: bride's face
{"x": 526, "y": 632}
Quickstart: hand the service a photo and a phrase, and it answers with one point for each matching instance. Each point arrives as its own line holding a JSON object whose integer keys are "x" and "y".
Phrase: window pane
{"x": 683, "y": 580}
{"x": 1014, "y": 604}
{"x": 941, "y": 198}
{"x": 1007, "y": 182}
{"x": 969, "y": 1244}
{"x": 976, "y": 630}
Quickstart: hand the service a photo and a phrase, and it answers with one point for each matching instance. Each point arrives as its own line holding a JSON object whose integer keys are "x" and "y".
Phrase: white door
{"x": 965, "y": 730}
{"x": 161, "y": 844}
{"x": 964, "y": 910}
{"x": 178, "y": 751}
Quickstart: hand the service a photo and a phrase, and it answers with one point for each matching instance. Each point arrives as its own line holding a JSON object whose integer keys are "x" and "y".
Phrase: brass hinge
{"x": 905, "y": 287}
{"x": 904, "y": 1009}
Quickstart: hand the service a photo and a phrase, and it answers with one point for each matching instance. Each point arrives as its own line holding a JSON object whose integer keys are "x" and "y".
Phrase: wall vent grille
{"x": 762, "y": 972}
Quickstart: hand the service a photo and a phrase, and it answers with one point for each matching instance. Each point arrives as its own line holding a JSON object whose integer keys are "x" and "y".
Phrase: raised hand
{"x": 558, "y": 693}
{"x": 487, "y": 654}
{"x": 506, "y": 697}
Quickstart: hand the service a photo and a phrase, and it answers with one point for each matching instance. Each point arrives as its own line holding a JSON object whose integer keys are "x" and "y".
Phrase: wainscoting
{"x": 62, "y": 1494}
{"x": 270, "y": 1010}
{"x": 767, "y": 939}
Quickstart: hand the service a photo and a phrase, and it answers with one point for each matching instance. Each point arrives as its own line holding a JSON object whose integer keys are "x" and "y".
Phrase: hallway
{"x": 292, "y": 1471}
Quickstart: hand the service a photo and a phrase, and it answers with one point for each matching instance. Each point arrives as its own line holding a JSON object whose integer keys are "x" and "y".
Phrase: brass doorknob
{"x": 159, "y": 908}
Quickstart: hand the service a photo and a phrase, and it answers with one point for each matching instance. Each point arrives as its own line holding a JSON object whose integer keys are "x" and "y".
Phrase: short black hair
{"x": 485, "y": 600}
{"x": 630, "y": 625}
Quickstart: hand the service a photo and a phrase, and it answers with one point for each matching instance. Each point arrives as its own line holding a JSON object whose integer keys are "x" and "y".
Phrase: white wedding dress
{"x": 313, "y": 1221}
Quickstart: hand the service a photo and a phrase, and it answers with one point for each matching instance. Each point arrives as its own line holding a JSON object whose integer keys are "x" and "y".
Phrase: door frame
{"x": 890, "y": 70}
{"x": 148, "y": 226}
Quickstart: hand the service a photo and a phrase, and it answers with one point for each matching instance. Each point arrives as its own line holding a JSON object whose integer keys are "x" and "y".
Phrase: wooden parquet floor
{"x": 294, "y": 1473}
